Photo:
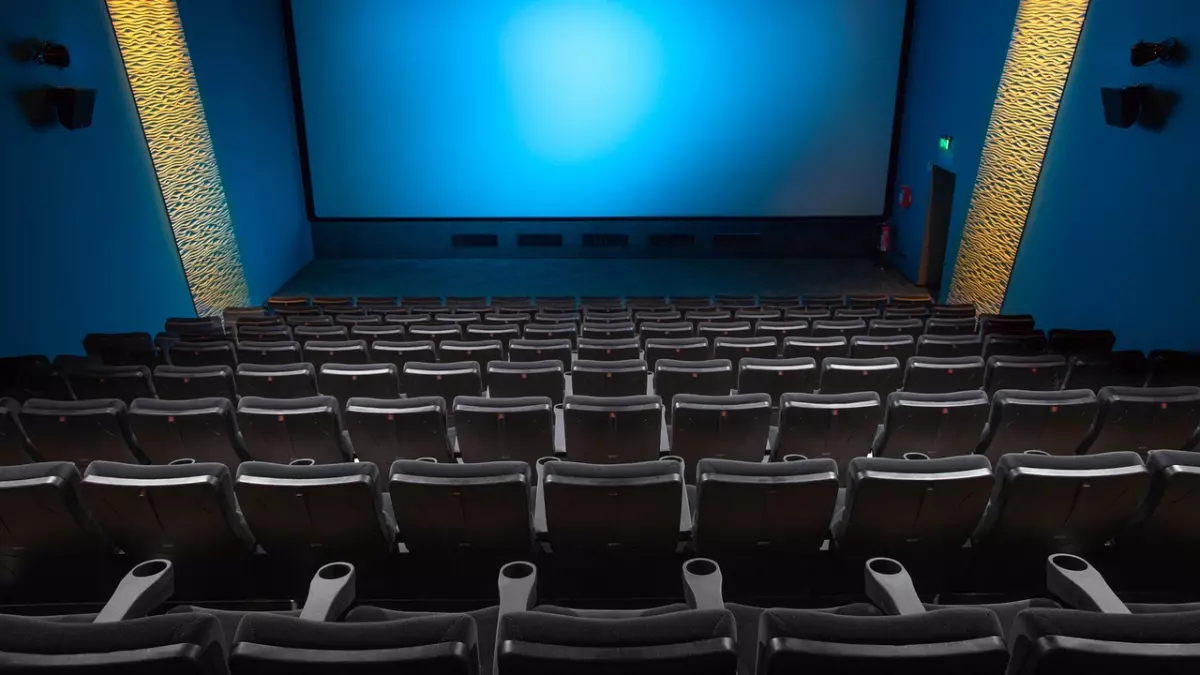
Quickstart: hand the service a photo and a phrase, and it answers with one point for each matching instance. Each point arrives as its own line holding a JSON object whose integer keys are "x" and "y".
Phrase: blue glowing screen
{"x": 598, "y": 108}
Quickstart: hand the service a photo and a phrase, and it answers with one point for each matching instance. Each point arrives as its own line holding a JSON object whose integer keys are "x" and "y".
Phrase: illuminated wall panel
{"x": 1035, "y": 73}
{"x": 154, "y": 50}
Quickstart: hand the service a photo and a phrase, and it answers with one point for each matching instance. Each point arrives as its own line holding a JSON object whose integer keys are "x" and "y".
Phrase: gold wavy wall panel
{"x": 150, "y": 36}
{"x": 1039, "y": 59}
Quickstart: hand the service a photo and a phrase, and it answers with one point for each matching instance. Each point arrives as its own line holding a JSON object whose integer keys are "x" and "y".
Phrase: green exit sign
{"x": 944, "y": 142}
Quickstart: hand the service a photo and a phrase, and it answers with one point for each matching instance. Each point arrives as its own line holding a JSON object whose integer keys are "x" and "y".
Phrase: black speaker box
{"x": 74, "y": 106}
{"x": 1122, "y": 106}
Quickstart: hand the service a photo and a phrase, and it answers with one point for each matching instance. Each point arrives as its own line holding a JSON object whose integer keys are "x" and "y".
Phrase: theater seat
{"x": 124, "y": 383}
{"x": 1054, "y": 422}
{"x": 42, "y": 514}
{"x": 1166, "y": 368}
{"x": 929, "y": 375}
{"x": 400, "y": 353}
{"x": 181, "y": 383}
{"x": 677, "y": 349}
{"x": 873, "y": 347}
{"x": 711, "y": 378}
{"x": 736, "y": 349}
{"x": 1143, "y": 419}
{"x": 782, "y": 329}
{"x": 445, "y": 380}
{"x": 777, "y": 377}
{"x": 1106, "y": 369}
{"x": 214, "y": 353}
{"x": 1024, "y": 343}
{"x": 303, "y": 334}
{"x": 846, "y": 328}
{"x": 384, "y": 430}
{"x": 949, "y": 346}
{"x": 504, "y": 332}
{"x": 344, "y": 381}
{"x": 434, "y": 332}
{"x": 480, "y": 352}
{"x": 1071, "y": 342}
{"x": 290, "y": 380}
{"x": 1004, "y": 323}
{"x": 1028, "y": 373}
{"x": 608, "y": 331}
{"x": 733, "y": 427}
{"x": 283, "y": 430}
{"x": 613, "y": 430}
{"x": 816, "y": 348}
{"x": 15, "y": 447}
{"x": 947, "y": 326}
{"x": 269, "y": 352}
{"x": 509, "y": 379}
{"x": 504, "y": 429}
{"x": 609, "y": 378}
{"x": 479, "y": 508}
{"x": 913, "y": 327}
{"x": 718, "y": 329}
{"x": 201, "y": 429}
{"x": 847, "y": 376}
{"x": 1168, "y": 522}
{"x": 936, "y": 425}
{"x": 80, "y": 431}
{"x": 320, "y": 352}
{"x": 541, "y": 350}
{"x": 833, "y": 426}
{"x": 621, "y": 349}
{"x": 331, "y": 511}
{"x": 552, "y": 331}
{"x": 186, "y": 511}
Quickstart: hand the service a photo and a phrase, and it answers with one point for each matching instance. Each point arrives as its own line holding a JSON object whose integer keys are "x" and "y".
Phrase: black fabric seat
{"x": 655, "y": 316}
{"x": 847, "y": 376}
{"x": 599, "y": 508}
{"x": 185, "y": 511}
{"x": 1041, "y": 505}
{"x": 613, "y": 430}
{"x": 32, "y": 376}
{"x": 320, "y": 352}
{"x": 262, "y": 333}
{"x": 215, "y": 353}
{"x": 552, "y": 331}
{"x": 1106, "y": 369}
{"x": 780, "y": 301}
{"x": 867, "y": 314}
{"x": 894, "y": 312}
{"x": 289, "y": 380}
{"x": 333, "y": 511}
{"x": 282, "y": 430}
{"x": 609, "y": 378}
{"x": 781, "y": 329}
{"x": 15, "y": 447}
{"x": 437, "y": 333}
{"x": 873, "y": 347}
{"x": 808, "y": 314}
{"x": 124, "y": 383}
{"x": 757, "y": 316}
{"x": 1064, "y": 642}
{"x": 484, "y": 507}
{"x": 324, "y": 333}
{"x": 723, "y": 329}
{"x": 936, "y": 425}
{"x": 310, "y": 320}
{"x": 1144, "y": 419}
{"x": 384, "y": 430}
{"x": 181, "y": 383}
{"x": 504, "y": 332}
{"x": 846, "y": 328}
{"x": 407, "y": 321}
{"x": 1168, "y": 522}
{"x": 1024, "y": 343}
{"x": 817, "y": 348}
{"x": 269, "y": 353}
{"x": 42, "y": 514}
{"x": 962, "y": 310}
{"x": 201, "y": 429}
{"x": 867, "y": 300}
{"x": 929, "y": 375}
{"x": 1167, "y": 368}
{"x": 777, "y": 377}
{"x": 949, "y": 346}
{"x": 834, "y": 426}
{"x": 621, "y": 349}
{"x": 678, "y": 349}
{"x": 401, "y": 353}
{"x": 733, "y": 427}
{"x": 445, "y": 380}
{"x": 608, "y": 331}
{"x": 509, "y": 379}
{"x": 1055, "y": 422}
{"x": 481, "y": 352}
{"x": 947, "y": 326}
{"x": 508, "y": 317}
{"x": 121, "y": 349}
{"x": 502, "y": 429}
{"x": 884, "y": 327}
{"x": 736, "y": 349}
{"x": 707, "y": 315}
{"x": 901, "y": 507}
{"x": 551, "y": 315}
{"x": 1028, "y": 373}
{"x": 541, "y": 350}
{"x": 462, "y": 319}
{"x": 824, "y": 301}
{"x": 344, "y": 381}
{"x": 369, "y": 333}
{"x": 1070, "y": 342}
{"x": 80, "y": 431}
{"x": 750, "y": 507}
{"x": 204, "y": 327}
{"x": 1004, "y": 323}
{"x": 714, "y": 377}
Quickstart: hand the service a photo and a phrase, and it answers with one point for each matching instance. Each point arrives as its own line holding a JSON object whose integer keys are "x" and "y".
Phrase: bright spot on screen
{"x": 582, "y": 75}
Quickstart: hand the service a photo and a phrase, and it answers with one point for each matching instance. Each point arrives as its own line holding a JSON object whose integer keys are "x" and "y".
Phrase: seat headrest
{"x": 411, "y": 467}
{"x": 946, "y": 625}
{"x": 293, "y": 472}
{"x": 649, "y": 631}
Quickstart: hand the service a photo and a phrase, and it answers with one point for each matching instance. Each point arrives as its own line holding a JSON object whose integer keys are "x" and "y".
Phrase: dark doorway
{"x": 937, "y": 230}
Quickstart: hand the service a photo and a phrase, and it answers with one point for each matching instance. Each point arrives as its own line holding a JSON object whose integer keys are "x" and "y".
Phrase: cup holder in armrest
{"x": 795, "y": 458}
{"x": 1041, "y": 453}
{"x": 915, "y": 455}
{"x": 890, "y": 587}
{"x": 430, "y": 460}
{"x": 144, "y": 588}
{"x": 702, "y": 584}
{"x": 302, "y": 462}
{"x": 1080, "y": 585}
{"x": 182, "y": 461}
{"x": 671, "y": 458}
{"x": 545, "y": 460}
{"x": 518, "y": 587}
{"x": 330, "y": 593}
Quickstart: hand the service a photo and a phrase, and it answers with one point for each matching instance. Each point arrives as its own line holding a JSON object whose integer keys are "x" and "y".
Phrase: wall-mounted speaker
{"x": 74, "y": 106}
{"x": 1122, "y": 106}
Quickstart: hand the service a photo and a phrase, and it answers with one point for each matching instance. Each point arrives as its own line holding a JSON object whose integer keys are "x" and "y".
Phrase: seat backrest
{"x": 289, "y": 380}
{"x": 864, "y": 313}
{"x": 31, "y": 376}
{"x": 1069, "y": 504}
{"x": 541, "y": 350}
{"x": 1144, "y": 419}
{"x": 121, "y": 349}
{"x": 695, "y": 642}
{"x": 913, "y": 327}
{"x": 551, "y": 331}
{"x": 817, "y": 300}
{"x": 932, "y": 375}
{"x": 621, "y": 349}
{"x": 503, "y": 429}
{"x": 370, "y": 380}
{"x": 384, "y": 430}
{"x": 654, "y": 315}
{"x": 613, "y": 430}
{"x": 845, "y": 376}
{"x": 1004, "y": 323}
{"x": 201, "y": 429}
{"x": 750, "y": 507}
{"x": 182, "y": 383}
{"x": 282, "y": 430}
{"x": 214, "y": 353}
{"x": 777, "y": 377}
{"x": 446, "y": 380}
{"x": 948, "y": 346}
{"x": 370, "y": 334}
{"x": 715, "y": 329}
{"x": 609, "y": 378}
{"x": 320, "y": 352}
{"x": 407, "y": 321}
{"x": 1023, "y": 343}
{"x": 936, "y": 425}
{"x": 833, "y": 426}
{"x": 269, "y": 352}
{"x": 781, "y": 329}
{"x": 1055, "y": 422}
{"x": 1106, "y": 369}
{"x": 481, "y": 352}
{"x": 846, "y": 328}
{"x": 435, "y": 332}
{"x": 402, "y": 352}
{"x": 736, "y": 348}
{"x": 876, "y": 346}
{"x": 504, "y": 332}
{"x": 483, "y": 507}
{"x": 1029, "y": 373}
{"x": 633, "y": 507}
{"x": 608, "y": 331}
{"x": 510, "y": 379}
{"x": 900, "y": 507}
{"x": 42, "y": 514}
{"x": 714, "y": 377}
{"x": 1169, "y": 519}
{"x": 950, "y": 326}
{"x": 756, "y": 316}
{"x": 1067, "y": 641}
{"x": 1069, "y": 342}
{"x": 962, "y": 310}
{"x": 80, "y": 431}
{"x": 253, "y": 332}
{"x": 120, "y": 382}
{"x": 335, "y": 509}
{"x": 894, "y": 311}
{"x": 1166, "y": 368}
{"x": 186, "y": 511}
{"x": 14, "y": 444}
{"x": 817, "y": 348}
{"x": 310, "y": 320}
{"x": 678, "y": 349}
{"x": 665, "y": 330}
{"x": 946, "y": 642}
{"x": 722, "y": 427}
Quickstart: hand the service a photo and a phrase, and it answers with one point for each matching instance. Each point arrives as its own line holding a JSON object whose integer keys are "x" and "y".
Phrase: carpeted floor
{"x": 594, "y": 277}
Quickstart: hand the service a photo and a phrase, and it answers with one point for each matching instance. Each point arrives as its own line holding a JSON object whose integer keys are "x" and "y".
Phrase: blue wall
{"x": 1113, "y": 235}
{"x": 957, "y": 55}
{"x": 239, "y": 53}
{"x": 87, "y": 246}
